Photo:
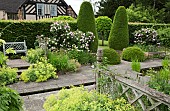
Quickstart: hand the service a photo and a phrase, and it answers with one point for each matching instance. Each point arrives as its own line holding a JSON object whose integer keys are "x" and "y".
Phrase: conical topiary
{"x": 119, "y": 34}
{"x": 86, "y": 22}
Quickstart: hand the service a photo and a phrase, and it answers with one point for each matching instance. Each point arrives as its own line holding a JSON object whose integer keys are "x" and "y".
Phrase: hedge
{"x": 28, "y": 30}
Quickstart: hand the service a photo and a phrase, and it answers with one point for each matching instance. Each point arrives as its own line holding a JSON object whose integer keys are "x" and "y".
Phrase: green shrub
{"x": 103, "y": 25}
{"x": 136, "y": 66}
{"x": 86, "y": 23}
{"x": 164, "y": 36}
{"x": 119, "y": 35}
{"x": 62, "y": 62}
{"x": 82, "y": 57}
{"x": 3, "y": 59}
{"x": 34, "y": 55}
{"x": 133, "y": 54}
{"x": 160, "y": 81}
{"x": 10, "y": 100}
{"x": 80, "y": 99}
{"x": 39, "y": 72}
{"x": 112, "y": 56}
{"x": 8, "y": 75}
{"x": 68, "y": 18}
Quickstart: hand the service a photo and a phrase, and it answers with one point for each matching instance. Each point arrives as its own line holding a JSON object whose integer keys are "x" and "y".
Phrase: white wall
{"x": 2, "y": 16}
{"x": 30, "y": 17}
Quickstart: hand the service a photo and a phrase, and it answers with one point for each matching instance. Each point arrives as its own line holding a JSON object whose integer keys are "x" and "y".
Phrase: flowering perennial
{"x": 66, "y": 39}
{"x": 146, "y": 36}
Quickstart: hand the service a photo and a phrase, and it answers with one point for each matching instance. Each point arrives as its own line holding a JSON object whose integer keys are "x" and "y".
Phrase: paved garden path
{"x": 34, "y": 94}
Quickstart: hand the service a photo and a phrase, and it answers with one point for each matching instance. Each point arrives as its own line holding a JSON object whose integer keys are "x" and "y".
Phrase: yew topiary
{"x": 133, "y": 54}
{"x": 119, "y": 35}
{"x": 112, "y": 56}
{"x": 86, "y": 23}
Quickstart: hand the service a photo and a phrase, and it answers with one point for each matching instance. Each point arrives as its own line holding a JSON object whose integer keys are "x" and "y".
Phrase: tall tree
{"x": 109, "y": 7}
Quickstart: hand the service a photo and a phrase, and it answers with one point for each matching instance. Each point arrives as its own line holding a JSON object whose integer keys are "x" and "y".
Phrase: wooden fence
{"x": 142, "y": 97}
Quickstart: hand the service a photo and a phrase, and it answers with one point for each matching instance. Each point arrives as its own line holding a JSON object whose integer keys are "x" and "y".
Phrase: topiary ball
{"x": 112, "y": 56}
{"x": 132, "y": 54}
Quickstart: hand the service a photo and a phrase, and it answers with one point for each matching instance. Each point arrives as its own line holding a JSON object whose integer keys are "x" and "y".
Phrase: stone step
{"x": 18, "y": 63}
{"x": 21, "y": 70}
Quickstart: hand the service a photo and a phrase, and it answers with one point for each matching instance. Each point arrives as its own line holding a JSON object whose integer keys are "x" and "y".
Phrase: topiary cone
{"x": 86, "y": 23}
{"x": 119, "y": 34}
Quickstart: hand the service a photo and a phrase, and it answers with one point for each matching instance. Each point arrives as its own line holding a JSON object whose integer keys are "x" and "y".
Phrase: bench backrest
{"x": 19, "y": 47}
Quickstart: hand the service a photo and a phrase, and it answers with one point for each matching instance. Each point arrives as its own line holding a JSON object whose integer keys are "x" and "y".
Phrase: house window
{"x": 40, "y": 9}
{"x": 53, "y": 11}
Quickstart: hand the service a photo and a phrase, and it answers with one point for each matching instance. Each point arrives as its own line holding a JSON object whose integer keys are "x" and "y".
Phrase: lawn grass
{"x": 105, "y": 43}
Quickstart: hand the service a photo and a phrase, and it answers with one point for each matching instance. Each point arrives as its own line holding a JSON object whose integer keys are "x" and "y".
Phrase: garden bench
{"x": 19, "y": 47}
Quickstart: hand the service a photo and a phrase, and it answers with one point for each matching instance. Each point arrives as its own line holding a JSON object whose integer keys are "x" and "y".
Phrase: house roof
{"x": 11, "y": 5}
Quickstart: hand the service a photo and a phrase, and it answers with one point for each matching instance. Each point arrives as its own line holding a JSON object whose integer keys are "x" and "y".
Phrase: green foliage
{"x": 7, "y": 75}
{"x": 10, "y": 100}
{"x": 39, "y": 72}
{"x": 1, "y": 41}
{"x": 82, "y": 57}
{"x": 80, "y": 99}
{"x": 10, "y": 50}
{"x": 34, "y": 55}
{"x": 133, "y": 54}
{"x": 86, "y": 23}
{"x": 67, "y": 18}
{"x": 136, "y": 66}
{"x": 3, "y": 59}
{"x": 112, "y": 56}
{"x": 119, "y": 36}
{"x": 160, "y": 81}
{"x": 164, "y": 36}
{"x": 103, "y": 25}
{"x": 27, "y": 30}
{"x": 165, "y": 63}
{"x": 62, "y": 62}
{"x": 149, "y": 15}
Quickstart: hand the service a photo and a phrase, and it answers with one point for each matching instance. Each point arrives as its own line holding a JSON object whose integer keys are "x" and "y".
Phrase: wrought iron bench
{"x": 19, "y": 47}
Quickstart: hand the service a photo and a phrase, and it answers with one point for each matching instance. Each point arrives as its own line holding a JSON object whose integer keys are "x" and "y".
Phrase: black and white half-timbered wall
{"x": 34, "y": 9}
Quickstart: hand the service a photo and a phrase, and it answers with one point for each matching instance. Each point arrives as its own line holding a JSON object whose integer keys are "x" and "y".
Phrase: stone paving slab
{"x": 16, "y": 63}
{"x": 84, "y": 76}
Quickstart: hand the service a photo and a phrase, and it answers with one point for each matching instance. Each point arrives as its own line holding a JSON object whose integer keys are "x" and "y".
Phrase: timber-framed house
{"x": 33, "y": 9}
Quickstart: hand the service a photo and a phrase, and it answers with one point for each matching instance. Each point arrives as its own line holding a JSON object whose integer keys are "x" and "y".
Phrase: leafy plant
{"x": 164, "y": 36}
{"x": 83, "y": 100}
{"x": 86, "y": 23}
{"x": 136, "y": 66}
{"x": 133, "y": 53}
{"x": 10, "y": 100}
{"x": 34, "y": 55}
{"x": 3, "y": 59}
{"x": 160, "y": 81}
{"x": 165, "y": 63}
{"x": 39, "y": 72}
{"x": 112, "y": 56}
{"x": 7, "y": 75}
{"x": 81, "y": 56}
{"x": 119, "y": 36}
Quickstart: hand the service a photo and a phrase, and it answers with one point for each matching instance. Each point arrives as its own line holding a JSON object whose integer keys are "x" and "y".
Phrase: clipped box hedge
{"x": 28, "y": 30}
